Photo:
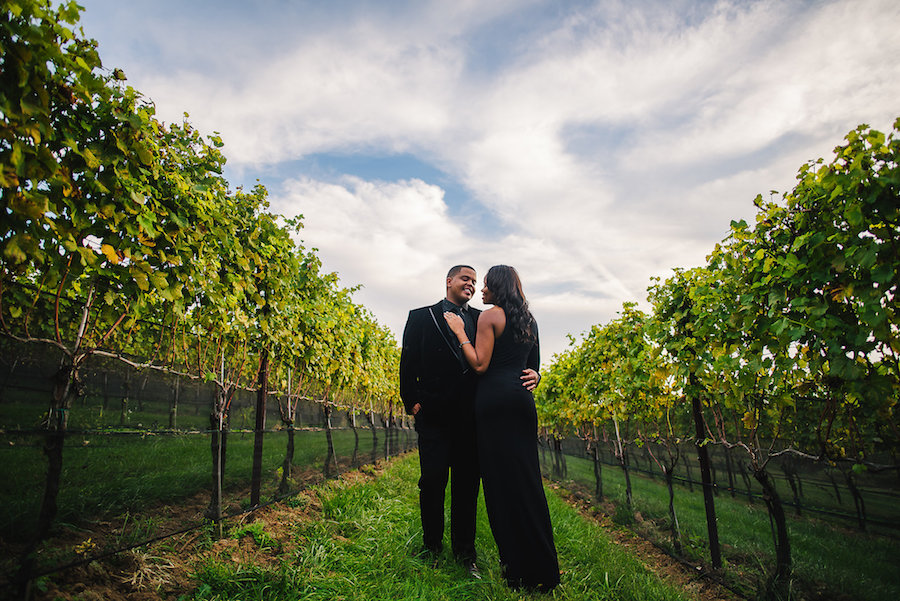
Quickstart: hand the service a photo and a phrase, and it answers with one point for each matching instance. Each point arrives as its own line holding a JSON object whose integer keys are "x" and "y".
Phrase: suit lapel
{"x": 437, "y": 316}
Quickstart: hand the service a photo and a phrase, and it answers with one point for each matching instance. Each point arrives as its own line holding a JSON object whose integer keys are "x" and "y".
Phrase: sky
{"x": 592, "y": 145}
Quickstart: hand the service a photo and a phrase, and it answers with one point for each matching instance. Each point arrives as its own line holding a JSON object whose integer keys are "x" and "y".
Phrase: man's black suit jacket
{"x": 433, "y": 372}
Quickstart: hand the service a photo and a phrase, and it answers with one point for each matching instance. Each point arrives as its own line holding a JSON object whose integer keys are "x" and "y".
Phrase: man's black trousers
{"x": 448, "y": 451}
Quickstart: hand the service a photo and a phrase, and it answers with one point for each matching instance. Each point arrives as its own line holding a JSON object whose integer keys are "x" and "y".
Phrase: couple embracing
{"x": 467, "y": 377}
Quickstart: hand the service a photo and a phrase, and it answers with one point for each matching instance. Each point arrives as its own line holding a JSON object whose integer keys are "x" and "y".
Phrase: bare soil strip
{"x": 162, "y": 570}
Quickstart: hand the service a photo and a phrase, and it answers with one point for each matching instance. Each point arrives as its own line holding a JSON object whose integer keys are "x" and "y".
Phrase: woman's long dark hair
{"x": 504, "y": 283}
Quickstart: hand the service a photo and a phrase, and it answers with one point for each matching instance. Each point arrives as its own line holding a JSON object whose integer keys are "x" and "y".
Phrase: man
{"x": 438, "y": 388}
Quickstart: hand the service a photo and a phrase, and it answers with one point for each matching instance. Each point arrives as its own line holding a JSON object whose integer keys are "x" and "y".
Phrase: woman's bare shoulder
{"x": 494, "y": 315}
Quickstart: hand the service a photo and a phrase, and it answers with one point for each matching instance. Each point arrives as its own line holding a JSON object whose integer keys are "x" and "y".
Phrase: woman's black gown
{"x": 506, "y": 425}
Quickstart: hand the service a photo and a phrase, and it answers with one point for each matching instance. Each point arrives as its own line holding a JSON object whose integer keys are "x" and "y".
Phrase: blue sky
{"x": 593, "y": 145}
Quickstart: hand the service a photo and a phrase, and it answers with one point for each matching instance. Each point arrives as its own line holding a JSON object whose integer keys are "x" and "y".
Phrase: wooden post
{"x": 709, "y": 503}
{"x": 262, "y": 390}
{"x": 173, "y": 410}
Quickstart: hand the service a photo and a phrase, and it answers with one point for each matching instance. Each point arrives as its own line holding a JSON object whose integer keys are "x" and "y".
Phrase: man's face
{"x": 461, "y": 287}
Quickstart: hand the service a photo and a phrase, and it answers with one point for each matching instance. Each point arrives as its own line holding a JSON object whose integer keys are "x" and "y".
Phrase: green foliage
{"x": 818, "y": 279}
{"x": 123, "y": 238}
{"x": 256, "y": 531}
{"x": 828, "y": 558}
{"x": 623, "y": 514}
{"x": 110, "y": 475}
{"x": 789, "y": 335}
{"x": 610, "y": 375}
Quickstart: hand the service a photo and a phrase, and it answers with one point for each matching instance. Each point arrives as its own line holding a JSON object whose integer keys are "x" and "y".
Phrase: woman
{"x": 506, "y": 342}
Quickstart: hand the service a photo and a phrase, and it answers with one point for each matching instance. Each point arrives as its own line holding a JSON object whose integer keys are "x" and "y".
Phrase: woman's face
{"x": 487, "y": 297}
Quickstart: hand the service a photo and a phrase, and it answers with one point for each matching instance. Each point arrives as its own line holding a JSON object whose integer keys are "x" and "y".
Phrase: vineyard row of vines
{"x": 785, "y": 343}
{"x": 123, "y": 240}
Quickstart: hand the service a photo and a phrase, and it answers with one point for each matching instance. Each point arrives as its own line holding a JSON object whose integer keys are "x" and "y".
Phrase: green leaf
{"x": 32, "y": 205}
{"x": 159, "y": 280}
{"x": 17, "y": 158}
{"x": 854, "y": 216}
{"x": 88, "y": 256}
{"x": 137, "y": 198}
{"x": 143, "y": 153}
{"x": 89, "y": 158}
{"x": 13, "y": 252}
{"x": 883, "y": 273}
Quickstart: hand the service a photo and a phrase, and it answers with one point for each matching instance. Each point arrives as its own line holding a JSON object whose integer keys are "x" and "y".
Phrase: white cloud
{"x": 398, "y": 239}
{"x": 731, "y": 85}
{"x": 373, "y": 225}
{"x": 612, "y": 141}
{"x": 816, "y": 74}
{"x": 329, "y": 93}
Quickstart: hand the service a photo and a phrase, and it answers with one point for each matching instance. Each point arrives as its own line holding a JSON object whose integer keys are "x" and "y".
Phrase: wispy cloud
{"x": 607, "y": 141}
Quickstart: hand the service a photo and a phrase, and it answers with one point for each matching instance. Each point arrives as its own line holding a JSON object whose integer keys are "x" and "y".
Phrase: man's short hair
{"x": 457, "y": 268}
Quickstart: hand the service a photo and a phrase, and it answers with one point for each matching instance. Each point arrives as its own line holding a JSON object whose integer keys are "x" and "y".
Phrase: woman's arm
{"x": 530, "y": 376}
{"x": 479, "y": 354}
{"x": 534, "y": 357}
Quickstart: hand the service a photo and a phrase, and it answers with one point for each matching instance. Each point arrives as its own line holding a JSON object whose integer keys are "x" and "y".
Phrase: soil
{"x": 695, "y": 580}
{"x": 162, "y": 570}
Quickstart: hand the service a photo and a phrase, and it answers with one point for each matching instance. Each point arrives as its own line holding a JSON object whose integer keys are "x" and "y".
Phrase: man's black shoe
{"x": 473, "y": 570}
{"x": 428, "y": 555}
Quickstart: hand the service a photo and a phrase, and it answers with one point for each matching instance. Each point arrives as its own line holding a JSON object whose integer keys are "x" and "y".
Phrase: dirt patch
{"x": 163, "y": 569}
{"x": 694, "y": 579}
{"x": 136, "y": 574}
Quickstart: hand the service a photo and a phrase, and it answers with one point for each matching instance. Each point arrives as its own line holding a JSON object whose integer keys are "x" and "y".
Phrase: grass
{"x": 365, "y": 545}
{"x": 107, "y": 474}
{"x": 823, "y": 486}
{"x": 842, "y": 560}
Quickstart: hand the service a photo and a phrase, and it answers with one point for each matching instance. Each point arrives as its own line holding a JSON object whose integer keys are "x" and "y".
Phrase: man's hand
{"x": 416, "y": 408}
{"x": 530, "y": 379}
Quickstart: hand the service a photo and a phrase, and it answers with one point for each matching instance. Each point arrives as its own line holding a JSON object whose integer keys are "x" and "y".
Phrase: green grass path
{"x": 365, "y": 544}
{"x": 831, "y": 561}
